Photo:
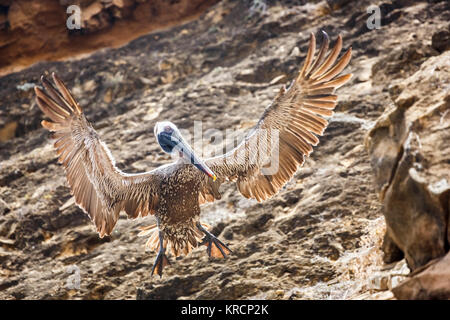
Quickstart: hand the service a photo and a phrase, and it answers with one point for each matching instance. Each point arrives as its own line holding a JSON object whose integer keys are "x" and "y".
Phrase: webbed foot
{"x": 160, "y": 262}
{"x": 215, "y": 247}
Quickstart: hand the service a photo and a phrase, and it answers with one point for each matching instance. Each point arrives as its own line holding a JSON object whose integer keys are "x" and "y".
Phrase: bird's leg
{"x": 161, "y": 259}
{"x": 216, "y": 248}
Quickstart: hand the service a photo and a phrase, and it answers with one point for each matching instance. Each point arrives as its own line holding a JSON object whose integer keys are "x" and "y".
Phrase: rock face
{"x": 318, "y": 238}
{"x": 32, "y": 31}
{"x": 410, "y": 155}
{"x": 411, "y": 158}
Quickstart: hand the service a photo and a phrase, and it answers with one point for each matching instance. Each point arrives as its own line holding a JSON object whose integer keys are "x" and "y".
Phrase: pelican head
{"x": 172, "y": 142}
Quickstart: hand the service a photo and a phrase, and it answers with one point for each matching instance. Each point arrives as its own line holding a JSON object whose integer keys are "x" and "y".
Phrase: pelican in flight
{"x": 174, "y": 192}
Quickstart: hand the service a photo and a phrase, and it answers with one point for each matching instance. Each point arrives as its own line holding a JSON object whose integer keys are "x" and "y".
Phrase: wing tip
{"x": 324, "y": 35}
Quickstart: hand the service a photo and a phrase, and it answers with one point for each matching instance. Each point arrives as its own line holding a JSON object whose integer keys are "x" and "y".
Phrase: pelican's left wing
{"x": 99, "y": 187}
{"x": 287, "y": 131}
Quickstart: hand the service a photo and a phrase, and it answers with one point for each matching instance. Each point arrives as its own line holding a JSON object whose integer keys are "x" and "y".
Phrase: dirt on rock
{"x": 319, "y": 238}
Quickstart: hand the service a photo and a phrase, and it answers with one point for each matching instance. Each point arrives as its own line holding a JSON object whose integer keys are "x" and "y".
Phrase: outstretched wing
{"x": 99, "y": 187}
{"x": 287, "y": 131}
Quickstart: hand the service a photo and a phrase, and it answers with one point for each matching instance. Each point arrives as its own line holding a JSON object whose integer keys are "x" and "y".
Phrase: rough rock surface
{"x": 318, "y": 238}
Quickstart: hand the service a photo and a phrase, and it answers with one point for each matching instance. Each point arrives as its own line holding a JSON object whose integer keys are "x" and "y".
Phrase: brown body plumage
{"x": 174, "y": 192}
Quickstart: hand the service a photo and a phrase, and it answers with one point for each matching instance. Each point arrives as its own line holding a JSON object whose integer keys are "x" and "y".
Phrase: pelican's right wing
{"x": 99, "y": 187}
{"x": 287, "y": 131}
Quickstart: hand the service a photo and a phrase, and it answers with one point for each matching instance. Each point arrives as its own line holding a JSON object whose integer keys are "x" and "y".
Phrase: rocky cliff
{"x": 375, "y": 188}
{"x": 410, "y": 153}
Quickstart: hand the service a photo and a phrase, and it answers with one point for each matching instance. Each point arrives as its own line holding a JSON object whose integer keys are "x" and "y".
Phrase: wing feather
{"x": 295, "y": 118}
{"x": 98, "y": 186}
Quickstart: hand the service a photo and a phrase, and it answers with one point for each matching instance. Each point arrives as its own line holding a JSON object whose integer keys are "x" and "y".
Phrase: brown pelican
{"x": 173, "y": 193}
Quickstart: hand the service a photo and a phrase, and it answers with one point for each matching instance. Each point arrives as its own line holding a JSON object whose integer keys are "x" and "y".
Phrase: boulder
{"x": 432, "y": 282}
{"x": 410, "y": 156}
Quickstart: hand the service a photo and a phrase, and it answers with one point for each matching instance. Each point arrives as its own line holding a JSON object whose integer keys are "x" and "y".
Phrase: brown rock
{"x": 31, "y": 31}
{"x": 8, "y": 131}
{"x": 431, "y": 283}
{"x": 4, "y": 208}
{"x": 441, "y": 40}
{"x": 410, "y": 156}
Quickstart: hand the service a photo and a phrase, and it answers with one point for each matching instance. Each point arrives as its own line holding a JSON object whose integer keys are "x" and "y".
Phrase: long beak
{"x": 196, "y": 161}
